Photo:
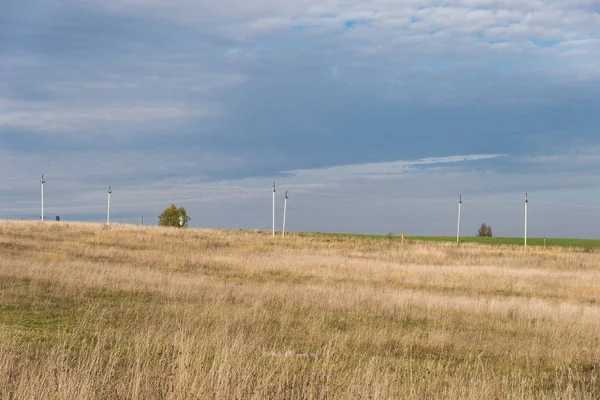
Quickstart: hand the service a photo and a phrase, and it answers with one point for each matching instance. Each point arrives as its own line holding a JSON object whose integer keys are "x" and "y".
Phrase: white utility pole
{"x": 458, "y": 225}
{"x": 526, "y": 203}
{"x": 42, "y": 181}
{"x": 274, "y": 209}
{"x": 284, "y": 213}
{"x": 108, "y": 213}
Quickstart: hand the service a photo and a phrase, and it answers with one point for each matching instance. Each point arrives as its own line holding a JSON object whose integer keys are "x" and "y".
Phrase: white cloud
{"x": 381, "y": 169}
{"x": 575, "y": 157}
{"x": 53, "y": 118}
{"x": 576, "y": 17}
{"x": 403, "y": 33}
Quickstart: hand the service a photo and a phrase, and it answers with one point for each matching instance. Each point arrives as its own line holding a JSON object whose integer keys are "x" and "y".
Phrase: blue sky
{"x": 375, "y": 114}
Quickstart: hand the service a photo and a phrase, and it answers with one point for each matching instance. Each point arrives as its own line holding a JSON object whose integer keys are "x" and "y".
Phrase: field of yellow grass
{"x": 95, "y": 312}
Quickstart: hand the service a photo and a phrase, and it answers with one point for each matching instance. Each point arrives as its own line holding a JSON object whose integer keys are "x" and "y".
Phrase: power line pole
{"x": 108, "y": 213}
{"x": 284, "y": 213}
{"x": 458, "y": 224}
{"x": 274, "y": 209}
{"x": 42, "y": 181}
{"x": 526, "y": 204}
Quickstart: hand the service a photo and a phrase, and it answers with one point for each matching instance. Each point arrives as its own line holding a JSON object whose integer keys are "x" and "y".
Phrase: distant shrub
{"x": 485, "y": 231}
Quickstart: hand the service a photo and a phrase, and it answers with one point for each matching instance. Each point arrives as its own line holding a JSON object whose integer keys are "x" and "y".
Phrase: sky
{"x": 375, "y": 115}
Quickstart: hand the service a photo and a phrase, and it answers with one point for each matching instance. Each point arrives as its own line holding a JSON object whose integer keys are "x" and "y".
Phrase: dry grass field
{"x": 94, "y": 312}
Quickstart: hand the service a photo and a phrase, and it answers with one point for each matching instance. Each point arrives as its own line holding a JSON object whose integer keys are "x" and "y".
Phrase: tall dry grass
{"x": 90, "y": 312}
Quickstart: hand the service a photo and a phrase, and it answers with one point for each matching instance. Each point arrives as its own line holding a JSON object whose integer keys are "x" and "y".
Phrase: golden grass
{"x": 90, "y": 312}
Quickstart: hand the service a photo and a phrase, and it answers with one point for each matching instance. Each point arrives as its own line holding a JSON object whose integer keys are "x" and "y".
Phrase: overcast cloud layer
{"x": 375, "y": 114}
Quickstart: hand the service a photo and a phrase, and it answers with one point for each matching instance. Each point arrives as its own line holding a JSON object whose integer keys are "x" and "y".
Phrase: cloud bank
{"x": 208, "y": 102}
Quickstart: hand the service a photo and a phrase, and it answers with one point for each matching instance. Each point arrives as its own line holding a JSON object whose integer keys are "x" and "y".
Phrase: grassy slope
{"x": 148, "y": 313}
{"x": 560, "y": 242}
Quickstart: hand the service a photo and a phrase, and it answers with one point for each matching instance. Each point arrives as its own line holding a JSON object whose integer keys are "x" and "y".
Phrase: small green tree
{"x": 485, "y": 231}
{"x": 170, "y": 216}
